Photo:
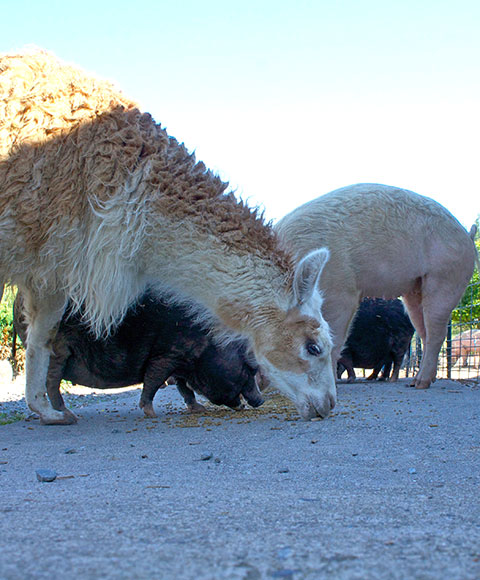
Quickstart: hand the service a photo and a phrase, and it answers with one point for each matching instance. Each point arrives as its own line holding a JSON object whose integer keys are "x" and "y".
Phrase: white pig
{"x": 385, "y": 242}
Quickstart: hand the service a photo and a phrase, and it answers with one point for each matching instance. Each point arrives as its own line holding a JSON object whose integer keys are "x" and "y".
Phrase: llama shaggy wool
{"x": 97, "y": 201}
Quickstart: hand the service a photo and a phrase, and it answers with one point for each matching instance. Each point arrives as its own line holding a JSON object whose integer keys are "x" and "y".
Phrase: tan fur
{"x": 84, "y": 129}
{"x": 41, "y": 97}
{"x": 85, "y": 146}
{"x": 97, "y": 201}
{"x": 285, "y": 333}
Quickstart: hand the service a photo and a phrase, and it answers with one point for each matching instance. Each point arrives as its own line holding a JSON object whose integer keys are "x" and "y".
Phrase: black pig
{"x": 153, "y": 342}
{"x": 379, "y": 336}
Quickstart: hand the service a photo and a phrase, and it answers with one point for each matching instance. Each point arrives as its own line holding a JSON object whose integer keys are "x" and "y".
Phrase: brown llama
{"x": 385, "y": 242}
{"x": 97, "y": 202}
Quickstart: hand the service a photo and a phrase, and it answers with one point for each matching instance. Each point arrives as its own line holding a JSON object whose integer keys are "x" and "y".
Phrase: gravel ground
{"x": 12, "y": 395}
{"x": 387, "y": 487}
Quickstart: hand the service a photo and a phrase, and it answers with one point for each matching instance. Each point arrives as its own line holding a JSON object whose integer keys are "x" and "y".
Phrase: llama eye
{"x": 313, "y": 349}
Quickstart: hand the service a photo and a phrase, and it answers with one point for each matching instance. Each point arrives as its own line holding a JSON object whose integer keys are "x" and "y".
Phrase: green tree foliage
{"x": 467, "y": 313}
{"x": 6, "y": 314}
{"x": 6, "y": 332}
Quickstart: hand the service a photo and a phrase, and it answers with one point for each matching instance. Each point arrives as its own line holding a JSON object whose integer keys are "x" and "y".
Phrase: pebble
{"x": 412, "y": 470}
{"x": 284, "y": 553}
{"x": 284, "y": 573}
{"x": 206, "y": 456}
{"x": 13, "y": 408}
{"x": 46, "y": 474}
{"x": 283, "y": 470}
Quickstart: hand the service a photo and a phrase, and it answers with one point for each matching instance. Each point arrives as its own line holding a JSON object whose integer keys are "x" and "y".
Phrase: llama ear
{"x": 307, "y": 274}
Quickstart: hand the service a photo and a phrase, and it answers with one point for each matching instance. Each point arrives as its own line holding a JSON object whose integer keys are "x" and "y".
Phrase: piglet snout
{"x": 252, "y": 394}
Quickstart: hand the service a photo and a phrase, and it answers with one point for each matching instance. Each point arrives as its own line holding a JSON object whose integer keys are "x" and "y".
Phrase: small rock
{"x": 412, "y": 470}
{"x": 248, "y": 571}
{"x": 46, "y": 474}
{"x": 206, "y": 456}
{"x": 284, "y": 553}
{"x": 218, "y": 460}
{"x": 285, "y": 573}
{"x": 70, "y": 450}
{"x": 283, "y": 470}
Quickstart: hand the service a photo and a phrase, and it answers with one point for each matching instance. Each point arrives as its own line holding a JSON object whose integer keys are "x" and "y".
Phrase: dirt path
{"x": 387, "y": 487}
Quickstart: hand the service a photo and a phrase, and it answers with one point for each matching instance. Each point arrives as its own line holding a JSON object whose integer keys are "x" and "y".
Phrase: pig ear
{"x": 248, "y": 357}
{"x": 307, "y": 274}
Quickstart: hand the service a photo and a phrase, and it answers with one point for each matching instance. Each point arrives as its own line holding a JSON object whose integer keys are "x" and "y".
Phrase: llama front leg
{"x": 43, "y": 321}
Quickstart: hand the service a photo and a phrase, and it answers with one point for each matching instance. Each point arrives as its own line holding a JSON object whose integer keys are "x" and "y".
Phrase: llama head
{"x": 295, "y": 354}
{"x": 292, "y": 342}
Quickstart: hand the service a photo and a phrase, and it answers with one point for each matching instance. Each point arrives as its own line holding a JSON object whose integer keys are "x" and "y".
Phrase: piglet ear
{"x": 307, "y": 274}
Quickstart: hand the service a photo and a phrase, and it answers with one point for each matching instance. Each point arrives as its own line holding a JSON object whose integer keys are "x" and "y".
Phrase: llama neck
{"x": 239, "y": 287}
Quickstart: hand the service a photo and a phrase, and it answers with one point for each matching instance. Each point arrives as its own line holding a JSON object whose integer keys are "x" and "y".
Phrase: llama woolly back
{"x": 97, "y": 202}
{"x": 61, "y": 126}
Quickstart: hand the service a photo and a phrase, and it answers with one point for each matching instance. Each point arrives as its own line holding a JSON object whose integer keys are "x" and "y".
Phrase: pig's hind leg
{"x": 430, "y": 310}
{"x": 386, "y": 371}
{"x": 155, "y": 378}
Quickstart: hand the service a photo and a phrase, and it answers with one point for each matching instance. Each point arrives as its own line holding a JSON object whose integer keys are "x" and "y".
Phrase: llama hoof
{"x": 64, "y": 417}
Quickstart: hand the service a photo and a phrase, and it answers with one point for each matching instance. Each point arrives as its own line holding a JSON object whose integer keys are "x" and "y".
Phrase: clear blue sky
{"x": 290, "y": 99}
